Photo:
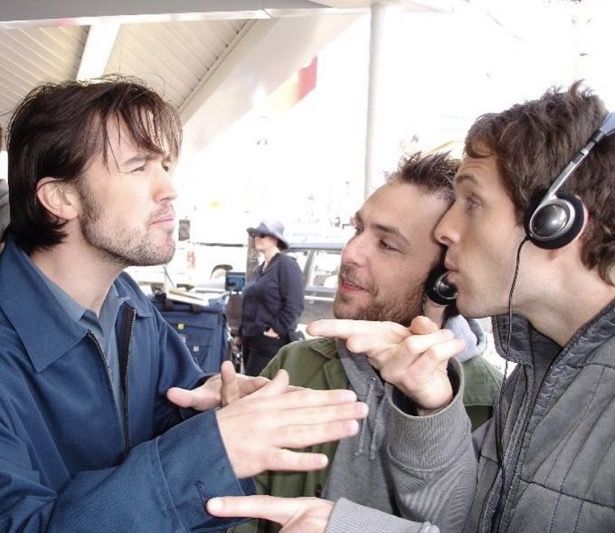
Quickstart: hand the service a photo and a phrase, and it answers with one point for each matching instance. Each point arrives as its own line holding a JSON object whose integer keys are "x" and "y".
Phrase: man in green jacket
{"x": 382, "y": 278}
{"x": 529, "y": 241}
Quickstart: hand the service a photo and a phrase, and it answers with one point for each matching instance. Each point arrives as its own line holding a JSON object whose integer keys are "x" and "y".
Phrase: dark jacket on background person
{"x": 558, "y": 428}
{"x": 68, "y": 460}
{"x": 273, "y": 299}
{"x": 358, "y": 466}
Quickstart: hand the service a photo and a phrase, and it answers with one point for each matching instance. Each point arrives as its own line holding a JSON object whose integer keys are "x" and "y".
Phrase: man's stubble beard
{"x": 124, "y": 248}
{"x": 400, "y": 310}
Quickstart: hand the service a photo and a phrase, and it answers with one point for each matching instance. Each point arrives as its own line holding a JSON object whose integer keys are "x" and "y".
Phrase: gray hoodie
{"x": 360, "y": 471}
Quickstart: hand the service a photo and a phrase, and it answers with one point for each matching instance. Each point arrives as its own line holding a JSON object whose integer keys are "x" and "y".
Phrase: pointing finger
{"x": 410, "y": 346}
{"x": 278, "y": 510}
{"x": 346, "y": 328}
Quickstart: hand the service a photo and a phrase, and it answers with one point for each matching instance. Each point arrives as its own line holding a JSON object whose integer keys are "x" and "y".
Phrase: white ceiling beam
{"x": 27, "y": 13}
{"x": 98, "y": 46}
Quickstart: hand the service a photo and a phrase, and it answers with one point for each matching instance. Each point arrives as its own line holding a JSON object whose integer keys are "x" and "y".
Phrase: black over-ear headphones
{"x": 438, "y": 289}
{"x": 557, "y": 218}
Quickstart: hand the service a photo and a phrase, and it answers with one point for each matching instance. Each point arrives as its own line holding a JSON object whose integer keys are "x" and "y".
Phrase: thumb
{"x": 421, "y": 325}
{"x": 181, "y": 397}
{"x": 230, "y": 387}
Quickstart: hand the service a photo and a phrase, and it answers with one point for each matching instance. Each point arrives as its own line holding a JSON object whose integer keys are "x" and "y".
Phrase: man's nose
{"x": 354, "y": 252}
{"x": 444, "y": 232}
{"x": 165, "y": 186}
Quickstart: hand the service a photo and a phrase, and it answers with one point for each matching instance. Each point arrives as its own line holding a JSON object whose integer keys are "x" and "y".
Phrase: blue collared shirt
{"x": 102, "y": 327}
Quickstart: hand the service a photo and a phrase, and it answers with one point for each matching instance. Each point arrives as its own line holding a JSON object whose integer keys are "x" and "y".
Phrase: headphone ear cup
{"x": 568, "y": 205}
{"x": 438, "y": 289}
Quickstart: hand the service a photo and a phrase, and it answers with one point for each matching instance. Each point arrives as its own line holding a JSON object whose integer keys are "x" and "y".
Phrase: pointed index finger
{"x": 343, "y": 328}
{"x": 279, "y": 510}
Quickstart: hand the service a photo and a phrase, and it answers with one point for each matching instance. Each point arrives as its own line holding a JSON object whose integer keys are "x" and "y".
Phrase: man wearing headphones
{"x": 382, "y": 278}
{"x": 516, "y": 244}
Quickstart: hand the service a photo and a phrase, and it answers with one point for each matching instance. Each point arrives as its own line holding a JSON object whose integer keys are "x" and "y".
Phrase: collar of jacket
{"x": 525, "y": 340}
{"x": 325, "y": 346}
{"x": 43, "y": 327}
{"x": 333, "y": 371}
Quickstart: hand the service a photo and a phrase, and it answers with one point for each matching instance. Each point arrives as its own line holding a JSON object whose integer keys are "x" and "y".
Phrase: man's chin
{"x": 348, "y": 312}
{"x": 470, "y": 309}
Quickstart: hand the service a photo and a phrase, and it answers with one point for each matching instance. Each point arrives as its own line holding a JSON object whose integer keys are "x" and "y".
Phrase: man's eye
{"x": 386, "y": 246}
{"x": 138, "y": 169}
{"x": 472, "y": 202}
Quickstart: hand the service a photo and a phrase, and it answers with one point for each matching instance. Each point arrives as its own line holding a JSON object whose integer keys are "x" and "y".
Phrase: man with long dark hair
{"x": 89, "y": 440}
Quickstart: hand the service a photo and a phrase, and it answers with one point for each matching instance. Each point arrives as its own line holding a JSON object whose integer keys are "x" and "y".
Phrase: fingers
{"x": 346, "y": 328}
{"x": 229, "y": 391}
{"x": 411, "y": 346}
{"x": 421, "y": 325}
{"x": 181, "y": 397}
{"x": 437, "y": 355}
{"x": 290, "y": 461}
{"x": 306, "y": 398}
{"x": 273, "y": 387}
{"x": 406, "y": 368}
{"x": 301, "y": 435}
{"x": 249, "y": 384}
{"x": 297, "y": 515}
{"x": 321, "y": 414}
{"x": 201, "y": 398}
{"x": 275, "y": 509}
{"x": 279, "y": 510}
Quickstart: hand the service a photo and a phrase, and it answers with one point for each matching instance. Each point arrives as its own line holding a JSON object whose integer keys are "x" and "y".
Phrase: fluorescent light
{"x": 100, "y": 41}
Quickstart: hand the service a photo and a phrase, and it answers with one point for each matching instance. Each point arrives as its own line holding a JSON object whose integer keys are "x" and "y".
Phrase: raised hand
{"x": 296, "y": 515}
{"x": 257, "y": 429}
{"x": 412, "y": 359}
{"x": 219, "y": 390}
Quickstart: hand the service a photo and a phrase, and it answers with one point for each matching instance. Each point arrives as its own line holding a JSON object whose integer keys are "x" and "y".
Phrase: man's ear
{"x": 58, "y": 197}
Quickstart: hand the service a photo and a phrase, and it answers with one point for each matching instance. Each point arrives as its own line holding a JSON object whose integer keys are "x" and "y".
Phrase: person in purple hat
{"x": 273, "y": 301}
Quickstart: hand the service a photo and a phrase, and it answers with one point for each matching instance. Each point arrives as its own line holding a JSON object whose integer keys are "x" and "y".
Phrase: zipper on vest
{"x": 499, "y": 497}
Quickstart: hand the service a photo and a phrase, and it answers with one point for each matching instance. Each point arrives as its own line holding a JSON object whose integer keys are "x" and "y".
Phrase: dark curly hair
{"x": 434, "y": 172}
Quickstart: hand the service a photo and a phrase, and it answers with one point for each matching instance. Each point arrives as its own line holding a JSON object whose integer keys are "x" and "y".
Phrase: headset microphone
{"x": 557, "y": 218}
{"x": 438, "y": 289}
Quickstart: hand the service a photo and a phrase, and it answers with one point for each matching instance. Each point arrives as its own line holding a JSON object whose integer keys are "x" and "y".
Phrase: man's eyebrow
{"x": 463, "y": 178}
{"x": 391, "y": 231}
{"x": 137, "y": 158}
{"x": 143, "y": 157}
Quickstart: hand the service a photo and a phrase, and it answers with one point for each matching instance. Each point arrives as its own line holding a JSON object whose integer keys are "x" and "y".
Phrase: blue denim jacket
{"x": 65, "y": 463}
